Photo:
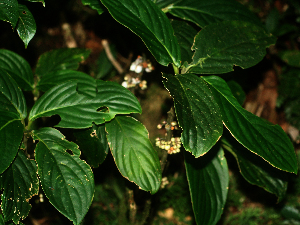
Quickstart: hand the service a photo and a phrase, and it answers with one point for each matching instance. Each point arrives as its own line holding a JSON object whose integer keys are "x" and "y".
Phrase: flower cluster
{"x": 172, "y": 146}
{"x": 140, "y": 65}
{"x": 132, "y": 80}
{"x": 164, "y": 182}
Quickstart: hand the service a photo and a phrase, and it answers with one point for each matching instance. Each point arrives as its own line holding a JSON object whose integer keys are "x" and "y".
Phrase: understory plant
{"x": 202, "y": 41}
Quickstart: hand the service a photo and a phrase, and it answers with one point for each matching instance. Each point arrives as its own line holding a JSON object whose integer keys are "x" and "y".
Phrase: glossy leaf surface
{"x": 237, "y": 91}
{"x": 12, "y": 99}
{"x": 133, "y": 152}
{"x": 9, "y": 11}
{"x": 86, "y": 84}
{"x": 185, "y": 35}
{"x": 94, "y": 4}
{"x": 18, "y": 68}
{"x": 26, "y": 26}
{"x": 203, "y": 12}
{"x": 258, "y": 172}
{"x": 220, "y": 46}
{"x": 20, "y": 183}
{"x": 61, "y": 59}
{"x": 93, "y": 144}
{"x": 208, "y": 183}
{"x": 79, "y": 110}
{"x": 11, "y": 134}
{"x": 197, "y": 112}
{"x": 146, "y": 20}
{"x": 12, "y": 110}
{"x": 67, "y": 181}
{"x": 165, "y": 4}
{"x": 266, "y": 140}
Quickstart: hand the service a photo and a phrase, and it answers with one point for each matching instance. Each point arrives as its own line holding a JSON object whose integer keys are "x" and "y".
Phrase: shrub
{"x": 207, "y": 38}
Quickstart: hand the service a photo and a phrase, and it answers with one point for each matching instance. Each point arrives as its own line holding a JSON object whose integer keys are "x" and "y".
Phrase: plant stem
{"x": 176, "y": 69}
{"x": 170, "y": 119}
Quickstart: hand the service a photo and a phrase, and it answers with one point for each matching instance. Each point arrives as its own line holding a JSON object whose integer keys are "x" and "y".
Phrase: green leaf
{"x": 165, "y": 4}
{"x": 147, "y": 21}
{"x": 12, "y": 111}
{"x": 60, "y": 59}
{"x": 208, "y": 182}
{"x": 133, "y": 152}
{"x": 42, "y": 1}
{"x": 220, "y": 46}
{"x": 80, "y": 111}
{"x": 11, "y": 134}
{"x": 67, "y": 181}
{"x": 18, "y": 68}
{"x": 20, "y": 183}
{"x": 291, "y": 57}
{"x": 94, "y": 4}
{"x": 203, "y": 12}
{"x": 9, "y": 12}
{"x": 26, "y": 26}
{"x": 93, "y": 144}
{"x": 266, "y": 140}
{"x": 237, "y": 91}
{"x": 12, "y": 100}
{"x": 258, "y": 172}
{"x": 185, "y": 35}
{"x": 86, "y": 84}
{"x": 197, "y": 112}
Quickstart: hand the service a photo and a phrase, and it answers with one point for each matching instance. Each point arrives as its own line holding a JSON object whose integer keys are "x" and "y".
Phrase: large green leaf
{"x": 197, "y": 112}
{"x": 86, "y": 84}
{"x": 203, "y": 12}
{"x": 146, "y": 20}
{"x": 208, "y": 182}
{"x": 11, "y": 134}
{"x": 94, "y": 4}
{"x": 60, "y": 59}
{"x": 67, "y": 181}
{"x": 220, "y": 46}
{"x": 18, "y": 68}
{"x": 12, "y": 111}
{"x": 133, "y": 152}
{"x": 266, "y": 140}
{"x": 237, "y": 91}
{"x": 20, "y": 183}
{"x": 258, "y": 172}
{"x": 185, "y": 35}
{"x": 93, "y": 144}
{"x": 12, "y": 99}
{"x": 79, "y": 110}
{"x": 26, "y": 26}
{"x": 9, "y": 11}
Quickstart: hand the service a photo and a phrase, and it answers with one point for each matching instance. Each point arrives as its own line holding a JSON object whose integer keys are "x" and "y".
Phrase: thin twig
{"x": 170, "y": 119}
{"x": 146, "y": 212}
{"x": 111, "y": 57}
{"x": 132, "y": 206}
